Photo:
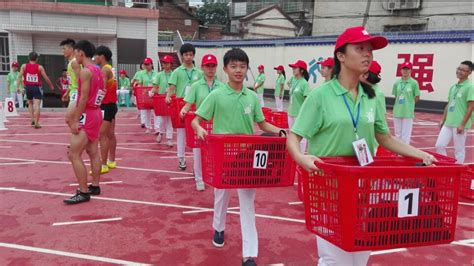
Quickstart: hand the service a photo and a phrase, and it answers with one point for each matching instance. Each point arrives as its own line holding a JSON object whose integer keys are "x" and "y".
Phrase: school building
{"x": 25, "y": 26}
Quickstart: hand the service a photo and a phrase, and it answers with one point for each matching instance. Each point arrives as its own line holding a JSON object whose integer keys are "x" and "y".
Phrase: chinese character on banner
{"x": 422, "y": 69}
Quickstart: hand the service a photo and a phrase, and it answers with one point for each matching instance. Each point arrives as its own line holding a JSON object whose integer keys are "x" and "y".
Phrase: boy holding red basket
{"x": 234, "y": 109}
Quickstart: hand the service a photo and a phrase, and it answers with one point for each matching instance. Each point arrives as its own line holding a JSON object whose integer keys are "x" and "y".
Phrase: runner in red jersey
{"x": 85, "y": 123}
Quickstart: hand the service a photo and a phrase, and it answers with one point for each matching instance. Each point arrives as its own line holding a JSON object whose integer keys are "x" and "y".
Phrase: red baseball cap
{"x": 359, "y": 34}
{"x": 407, "y": 65}
{"x": 375, "y": 68}
{"x": 123, "y": 72}
{"x": 299, "y": 64}
{"x": 167, "y": 59}
{"x": 14, "y": 64}
{"x": 280, "y": 67}
{"x": 208, "y": 59}
{"x": 261, "y": 67}
{"x": 148, "y": 61}
{"x": 328, "y": 62}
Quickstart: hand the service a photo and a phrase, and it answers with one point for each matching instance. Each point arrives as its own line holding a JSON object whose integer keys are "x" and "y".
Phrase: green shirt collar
{"x": 340, "y": 90}
{"x": 232, "y": 91}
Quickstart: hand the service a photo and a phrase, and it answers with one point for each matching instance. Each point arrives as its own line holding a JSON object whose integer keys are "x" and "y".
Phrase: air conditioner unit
{"x": 393, "y": 4}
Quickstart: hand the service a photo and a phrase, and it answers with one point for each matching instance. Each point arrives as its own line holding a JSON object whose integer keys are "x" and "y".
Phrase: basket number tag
{"x": 408, "y": 202}
{"x": 260, "y": 159}
{"x": 472, "y": 184}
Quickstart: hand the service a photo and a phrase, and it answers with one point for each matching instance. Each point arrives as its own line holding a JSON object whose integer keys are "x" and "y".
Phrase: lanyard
{"x": 212, "y": 86}
{"x": 294, "y": 84}
{"x": 402, "y": 87}
{"x": 456, "y": 90}
{"x": 190, "y": 77}
{"x": 149, "y": 76}
{"x": 356, "y": 120}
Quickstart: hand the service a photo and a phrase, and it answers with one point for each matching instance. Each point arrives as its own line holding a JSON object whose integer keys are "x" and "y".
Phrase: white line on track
{"x": 381, "y": 252}
{"x": 5, "y": 147}
{"x": 88, "y": 160}
{"x": 64, "y": 125}
{"x": 118, "y": 167}
{"x": 88, "y": 221}
{"x": 102, "y": 183}
{"x": 62, "y": 134}
{"x": 423, "y": 136}
{"x": 199, "y": 211}
{"x": 465, "y": 242}
{"x": 69, "y": 254}
{"x": 182, "y": 178}
{"x": 449, "y": 147}
{"x": 174, "y": 157}
{"x": 465, "y": 203}
{"x": 187, "y": 207}
{"x": 295, "y": 203}
{"x": 20, "y": 163}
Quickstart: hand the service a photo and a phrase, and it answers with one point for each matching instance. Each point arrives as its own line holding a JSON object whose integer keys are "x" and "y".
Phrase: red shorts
{"x": 92, "y": 123}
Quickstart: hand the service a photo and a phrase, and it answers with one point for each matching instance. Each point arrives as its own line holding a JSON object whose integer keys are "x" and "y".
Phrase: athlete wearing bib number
{"x": 340, "y": 113}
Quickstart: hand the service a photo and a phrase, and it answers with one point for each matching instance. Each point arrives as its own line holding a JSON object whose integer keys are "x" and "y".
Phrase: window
{"x": 188, "y": 22}
{"x": 406, "y": 27}
{"x": 4, "y": 54}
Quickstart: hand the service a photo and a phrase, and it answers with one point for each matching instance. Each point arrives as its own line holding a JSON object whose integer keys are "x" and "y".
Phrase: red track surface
{"x": 154, "y": 228}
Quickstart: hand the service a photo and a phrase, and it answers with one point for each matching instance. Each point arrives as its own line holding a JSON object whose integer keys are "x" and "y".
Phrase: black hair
{"x": 284, "y": 74}
{"x": 68, "y": 42}
{"x": 87, "y": 47}
{"x": 105, "y": 51}
{"x": 468, "y": 63}
{"x": 235, "y": 54}
{"x": 304, "y": 73}
{"x": 187, "y": 47}
{"x": 372, "y": 78}
{"x": 64, "y": 70}
{"x": 33, "y": 56}
{"x": 337, "y": 69}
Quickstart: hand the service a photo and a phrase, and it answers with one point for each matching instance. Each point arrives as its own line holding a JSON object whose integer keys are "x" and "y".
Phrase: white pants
{"x": 17, "y": 98}
{"x": 445, "y": 136}
{"x": 122, "y": 94}
{"x": 403, "y": 128}
{"x": 331, "y": 255}
{"x": 279, "y": 103}
{"x": 247, "y": 217}
{"x": 260, "y": 97}
{"x": 146, "y": 116}
{"x": 181, "y": 141}
{"x": 166, "y": 126}
{"x": 197, "y": 165}
{"x": 291, "y": 122}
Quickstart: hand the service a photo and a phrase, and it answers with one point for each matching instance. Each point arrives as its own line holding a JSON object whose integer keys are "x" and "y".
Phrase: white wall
{"x": 447, "y": 57}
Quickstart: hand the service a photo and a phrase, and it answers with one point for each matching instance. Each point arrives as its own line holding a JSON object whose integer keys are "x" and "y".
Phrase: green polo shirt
{"x": 233, "y": 112}
{"x": 325, "y": 120}
{"x": 124, "y": 83}
{"x": 405, "y": 93}
{"x": 380, "y": 97}
{"x": 146, "y": 78}
{"x": 280, "y": 80}
{"x": 12, "y": 78}
{"x": 458, "y": 101}
{"x": 299, "y": 89}
{"x": 200, "y": 90}
{"x": 161, "y": 80}
{"x": 182, "y": 77}
{"x": 260, "y": 79}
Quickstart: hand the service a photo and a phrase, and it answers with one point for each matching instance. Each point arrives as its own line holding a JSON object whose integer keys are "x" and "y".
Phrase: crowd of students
{"x": 347, "y": 108}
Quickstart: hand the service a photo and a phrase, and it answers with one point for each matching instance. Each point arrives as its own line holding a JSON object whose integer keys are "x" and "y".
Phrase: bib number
{"x": 260, "y": 159}
{"x": 408, "y": 200}
{"x": 99, "y": 97}
{"x": 31, "y": 77}
{"x": 82, "y": 119}
{"x": 73, "y": 97}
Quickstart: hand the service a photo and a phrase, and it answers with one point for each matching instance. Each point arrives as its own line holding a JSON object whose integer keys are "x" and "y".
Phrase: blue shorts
{"x": 33, "y": 92}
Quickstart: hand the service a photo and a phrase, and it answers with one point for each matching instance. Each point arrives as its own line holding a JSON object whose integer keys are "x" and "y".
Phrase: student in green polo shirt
{"x": 327, "y": 66}
{"x": 160, "y": 86}
{"x": 259, "y": 82}
{"x": 280, "y": 87}
{"x": 145, "y": 78}
{"x": 299, "y": 90}
{"x": 180, "y": 83}
{"x": 12, "y": 78}
{"x": 407, "y": 93}
{"x": 123, "y": 85}
{"x": 234, "y": 109}
{"x": 199, "y": 91}
{"x": 457, "y": 117}
{"x": 328, "y": 119}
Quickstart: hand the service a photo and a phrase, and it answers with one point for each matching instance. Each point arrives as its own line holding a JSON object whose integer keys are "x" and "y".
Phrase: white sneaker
{"x": 148, "y": 131}
{"x": 158, "y": 138}
{"x": 169, "y": 143}
{"x": 200, "y": 186}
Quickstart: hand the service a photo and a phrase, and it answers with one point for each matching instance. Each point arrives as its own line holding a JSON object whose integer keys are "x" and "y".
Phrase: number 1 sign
{"x": 408, "y": 200}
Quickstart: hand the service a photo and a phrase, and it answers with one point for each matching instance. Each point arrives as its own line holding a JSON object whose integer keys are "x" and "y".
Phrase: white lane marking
{"x": 118, "y": 167}
{"x": 464, "y": 242}
{"x": 62, "y": 134}
{"x": 88, "y": 160}
{"x": 64, "y": 125}
{"x": 174, "y": 157}
{"x": 5, "y": 147}
{"x": 6, "y": 164}
{"x": 295, "y": 203}
{"x": 388, "y": 251}
{"x": 423, "y": 136}
{"x": 182, "y": 178}
{"x": 88, "y": 221}
{"x": 68, "y": 254}
{"x": 199, "y": 211}
{"x": 465, "y": 203}
{"x": 102, "y": 183}
{"x": 187, "y": 207}
{"x": 449, "y": 147}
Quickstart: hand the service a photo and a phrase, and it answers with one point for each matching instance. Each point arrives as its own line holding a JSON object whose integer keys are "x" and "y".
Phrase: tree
{"x": 213, "y": 13}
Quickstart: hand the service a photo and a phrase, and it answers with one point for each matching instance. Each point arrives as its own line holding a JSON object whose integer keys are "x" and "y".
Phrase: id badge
{"x": 187, "y": 89}
{"x": 73, "y": 97}
{"x": 451, "y": 108}
{"x": 401, "y": 99}
{"x": 82, "y": 119}
{"x": 362, "y": 152}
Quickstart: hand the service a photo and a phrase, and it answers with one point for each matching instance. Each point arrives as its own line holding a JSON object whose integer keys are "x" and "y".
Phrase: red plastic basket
{"x": 280, "y": 119}
{"x": 467, "y": 183}
{"x": 357, "y": 208}
{"x": 267, "y": 113}
{"x": 175, "y": 107}
{"x": 160, "y": 106}
{"x": 245, "y": 161}
{"x": 191, "y": 139}
{"x": 144, "y": 101}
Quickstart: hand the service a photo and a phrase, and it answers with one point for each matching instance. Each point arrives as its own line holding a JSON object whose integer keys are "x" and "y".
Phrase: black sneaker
{"x": 182, "y": 164}
{"x": 93, "y": 190}
{"x": 218, "y": 239}
{"x": 78, "y": 198}
{"x": 143, "y": 125}
{"x": 249, "y": 262}
{"x": 32, "y": 122}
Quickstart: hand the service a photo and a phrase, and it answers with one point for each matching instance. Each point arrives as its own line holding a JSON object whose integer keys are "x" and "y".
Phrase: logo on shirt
{"x": 370, "y": 116}
{"x": 459, "y": 95}
{"x": 248, "y": 109}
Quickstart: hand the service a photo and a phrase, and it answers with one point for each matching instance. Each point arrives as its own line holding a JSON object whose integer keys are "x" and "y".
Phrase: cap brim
{"x": 293, "y": 65}
{"x": 378, "y": 42}
{"x": 209, "y": 63}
